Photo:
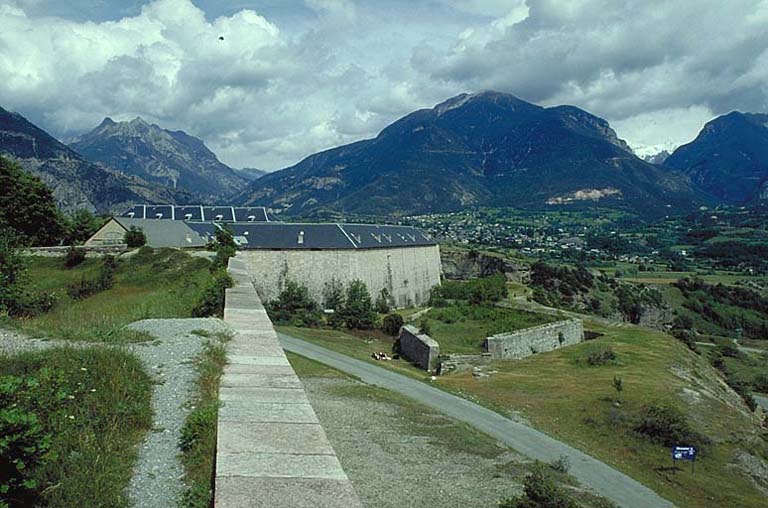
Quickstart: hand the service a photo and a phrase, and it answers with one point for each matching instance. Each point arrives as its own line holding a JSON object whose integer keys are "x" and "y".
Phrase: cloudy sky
{"x": 292, "y": 77}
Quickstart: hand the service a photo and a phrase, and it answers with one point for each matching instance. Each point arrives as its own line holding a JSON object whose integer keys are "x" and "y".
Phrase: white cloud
{"x": 267, "y": 94}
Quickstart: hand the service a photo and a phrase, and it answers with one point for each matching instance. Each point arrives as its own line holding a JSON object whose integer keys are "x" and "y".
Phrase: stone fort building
{"x": 401, "y": 259}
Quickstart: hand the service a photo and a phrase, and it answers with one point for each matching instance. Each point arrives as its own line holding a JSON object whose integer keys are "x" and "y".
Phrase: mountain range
{"x": 478, "y": 149}
{"x": 76, "y": 183}
{"x": 728, "y": 159}
{"x": 483, "y": 149}
{"x": 169, "y": 158}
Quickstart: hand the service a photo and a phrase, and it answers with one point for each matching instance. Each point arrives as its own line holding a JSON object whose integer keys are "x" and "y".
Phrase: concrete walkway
{"x": 603, "y": 479}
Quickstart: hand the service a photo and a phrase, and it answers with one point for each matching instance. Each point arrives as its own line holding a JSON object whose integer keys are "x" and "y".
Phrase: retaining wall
{"x": 408, "y": 273}
{"x": 522, "y": 343}
{"x": 419, "y": 348}
{"x": 271, "y": 450}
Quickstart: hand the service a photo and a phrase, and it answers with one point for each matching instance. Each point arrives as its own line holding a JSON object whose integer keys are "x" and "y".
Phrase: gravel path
{"x": 158, "y": 473}
{"x": 157, "y": 479}
{"x": 394, "y": 460}
{"x": 604, "y": 479}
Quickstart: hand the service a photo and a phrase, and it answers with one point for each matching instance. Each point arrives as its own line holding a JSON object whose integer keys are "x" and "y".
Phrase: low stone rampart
{"x": 523, "y": 343}
{"x": 271, "y": 450}
{"x": 419, "y": 348}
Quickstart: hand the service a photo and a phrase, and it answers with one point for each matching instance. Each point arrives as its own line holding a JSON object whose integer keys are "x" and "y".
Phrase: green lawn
{"x": 95, "y": 406}
{"x": 160, "y": 284}
{"x": 462, "y": 328}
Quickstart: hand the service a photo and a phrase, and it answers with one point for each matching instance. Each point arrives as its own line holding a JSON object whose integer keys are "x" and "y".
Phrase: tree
{"x": 294, "y": 305}
{"x": 81, "y": 225}
{"x": 27, "y": 206}
{"x": 225, "y": 247}
{"x": 333, "y": 295}
{"x": 391, "y": 324}
{"x": 12, "y": 269}
{"x": 358, "y": 310}
{"x": 135, "y": 238}
{"x": 383, "y": 301}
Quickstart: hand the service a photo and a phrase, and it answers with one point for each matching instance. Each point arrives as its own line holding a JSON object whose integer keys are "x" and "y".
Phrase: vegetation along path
{"x": 591, "y": 472}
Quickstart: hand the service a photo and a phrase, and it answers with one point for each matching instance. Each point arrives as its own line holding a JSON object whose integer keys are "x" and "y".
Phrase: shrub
{"x": 600, "y": 355}
{"x": 294, "y": 306}
{"x": 23, "y": 445}
{"x": 668, "y": 426}
{"x": 333, "y": 295}
{"x": 540, "y": 491}
{"x": 12, "y": 269}
{"x": 358, "y": 310}
{"x": 391, "y": 324}
{"x": 211, "y": 301}
{"x": 104, "y": 280}
{"x": 135, "y": 238}
{"x": 74, "y": 257}
{"x": 383, "y": 302}
{"x": 424, "y": 326}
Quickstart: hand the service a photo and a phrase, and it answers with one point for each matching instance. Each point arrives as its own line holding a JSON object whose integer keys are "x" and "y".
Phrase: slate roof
{"x": 164, "y": 233}
{"x": 198, "y": 213}
{"x": 284, "y": 236}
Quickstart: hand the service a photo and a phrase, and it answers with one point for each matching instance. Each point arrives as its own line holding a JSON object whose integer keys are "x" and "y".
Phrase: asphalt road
{"x": 603, "y": 479}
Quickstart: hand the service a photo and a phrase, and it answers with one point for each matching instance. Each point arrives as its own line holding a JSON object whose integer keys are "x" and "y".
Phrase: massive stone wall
{"x": 419, "y": 348}
{"x": 271, "y": 450}
{"x": 522, "y": 343}
{"x": 407, "y": 272}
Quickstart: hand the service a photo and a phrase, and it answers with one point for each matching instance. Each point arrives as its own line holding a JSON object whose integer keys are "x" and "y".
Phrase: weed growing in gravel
{"x": 198, "y": 436}
{"x": 93, "y": 407}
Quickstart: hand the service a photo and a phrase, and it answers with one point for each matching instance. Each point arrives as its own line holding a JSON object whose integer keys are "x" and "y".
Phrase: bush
{"x": 391, "y": 324}
{"x": 294, "y": 306}
{"x": 668, "y": 426}
{"x": 12, "y": 269}
{"x": 424, "y": 326}
{"x": 135, "y": 238}
{"x": 31, "y": 303}
{"x": 383, "y": 302}
{"x": 540, "y": 491}
{"x": 600, "y": 355}
{"x": 74, "y": 257}
{"x": 23, "y": 445}
{"x": 105, "y": 280}
{"x": 358, "y": 310}
{"x": 211, "y": 301}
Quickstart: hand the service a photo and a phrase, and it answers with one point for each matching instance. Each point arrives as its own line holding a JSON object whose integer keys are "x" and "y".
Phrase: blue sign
{"x": 684, "y": 453}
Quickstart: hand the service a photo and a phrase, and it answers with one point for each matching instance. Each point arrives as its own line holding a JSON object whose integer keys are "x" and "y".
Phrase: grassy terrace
{"x": 161, "y": 284}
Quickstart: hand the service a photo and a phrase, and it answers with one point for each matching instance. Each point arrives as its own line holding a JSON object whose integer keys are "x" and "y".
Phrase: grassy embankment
{"x": 95, "y": 449}
{"x": 95, "y": 406}
{"x": 198, "y": 439}
{"x": 456, "y": 438}
{"x": 564, "y": 396}
{"x": 160, "y": 284}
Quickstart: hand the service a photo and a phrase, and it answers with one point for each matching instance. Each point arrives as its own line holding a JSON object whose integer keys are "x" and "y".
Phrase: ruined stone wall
{"x": 408, "y": 272}
{"x": 522, "y": 343}
{"x": 419, "y": 348}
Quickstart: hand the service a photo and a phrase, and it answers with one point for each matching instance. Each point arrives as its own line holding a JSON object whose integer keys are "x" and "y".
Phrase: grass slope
{"x": 151, "y": 284}
{"x": 95, "y": 403}
{"x": 564, "y": 396}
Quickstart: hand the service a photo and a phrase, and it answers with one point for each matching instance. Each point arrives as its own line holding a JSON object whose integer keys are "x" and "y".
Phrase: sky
{"x": 293, "y": 77}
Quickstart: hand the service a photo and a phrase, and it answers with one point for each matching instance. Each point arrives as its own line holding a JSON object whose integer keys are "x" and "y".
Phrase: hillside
{"x": 481, "y": 149}
{"x": 729, "y": 158}
{"x": 170, "y": 158}
{"x": 75, "y": 182}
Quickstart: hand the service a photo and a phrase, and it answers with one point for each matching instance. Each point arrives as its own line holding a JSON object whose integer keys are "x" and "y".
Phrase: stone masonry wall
{"x": 419, "y": 348}
{"x": 271, "y": 450}
{"x": 408, "y": 273}
{"x": 522, "y": 343}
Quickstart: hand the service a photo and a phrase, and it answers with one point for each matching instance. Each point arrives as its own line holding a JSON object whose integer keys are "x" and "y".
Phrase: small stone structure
{"x": 523, "y": 343}
{"x": 419, "y": 348}
{"x": 271, "y": 450}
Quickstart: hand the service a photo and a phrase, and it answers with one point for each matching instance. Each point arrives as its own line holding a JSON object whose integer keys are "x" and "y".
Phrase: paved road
{"x": 618, "y": 487}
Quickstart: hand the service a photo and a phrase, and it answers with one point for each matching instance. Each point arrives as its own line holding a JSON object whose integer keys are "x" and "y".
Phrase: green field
{"x": 160, "y": 284}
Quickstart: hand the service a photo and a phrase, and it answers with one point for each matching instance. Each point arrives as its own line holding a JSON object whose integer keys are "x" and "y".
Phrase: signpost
{"x": 684, "y": 453}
